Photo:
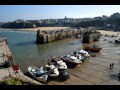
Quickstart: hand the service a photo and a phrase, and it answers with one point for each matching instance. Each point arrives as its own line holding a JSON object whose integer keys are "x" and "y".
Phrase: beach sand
{"x": 35, "y": 29}
{"x": 104, "y": 32}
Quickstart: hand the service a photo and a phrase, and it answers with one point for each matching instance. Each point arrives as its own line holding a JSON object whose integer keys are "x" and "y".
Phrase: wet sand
{"x": 95, "y": 71}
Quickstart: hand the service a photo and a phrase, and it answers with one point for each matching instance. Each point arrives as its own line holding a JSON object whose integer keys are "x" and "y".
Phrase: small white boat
{"x": 61, "y": 65}
{"x": 53, "y": 71}
{"x": 78, "y": 56}
{"x": 85, "y": 53}
{"x": 71, "y": 59}
{"x": 38, "y": 74}
{"x": 81, "y": 58}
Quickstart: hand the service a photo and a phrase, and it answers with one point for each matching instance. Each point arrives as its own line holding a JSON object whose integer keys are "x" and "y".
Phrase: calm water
{"x": 26, "y": 52}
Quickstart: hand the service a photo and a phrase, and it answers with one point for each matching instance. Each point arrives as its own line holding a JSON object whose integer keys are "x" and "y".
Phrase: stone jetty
{"x": 44, "y": 36}
{"x": 91, "y": 36}
{"x": 7, "y": 72}
{"x": 49, "y": 36}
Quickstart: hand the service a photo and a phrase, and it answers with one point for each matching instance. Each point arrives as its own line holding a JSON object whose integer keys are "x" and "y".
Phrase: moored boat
{"x": 71, "y": 59}
{"x": 93, "y": 49}
{"x": 78, "y": 56}
{"x": 60, "y": 64}
{"x": 38, "y": 74}
{"x": 84, "y": 53}
{"x": 53, "y": 71}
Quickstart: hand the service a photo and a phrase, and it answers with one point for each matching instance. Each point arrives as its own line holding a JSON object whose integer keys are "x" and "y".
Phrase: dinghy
{"x": 38, "y": 73}
{"x": 60, "y": 64}
{"x": 71, "y": 59}
{"x": 53, "y": 71}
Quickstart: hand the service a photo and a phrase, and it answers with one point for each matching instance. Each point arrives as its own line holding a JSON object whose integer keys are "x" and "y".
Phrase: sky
{"x": 37, "y": 12}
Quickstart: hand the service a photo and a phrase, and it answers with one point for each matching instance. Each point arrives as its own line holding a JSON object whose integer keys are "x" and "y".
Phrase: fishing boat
{"x": 53, "y": 71}
{"x": 93, "y": 49}
{"x": 84, "y": 53}
{"x": 81, "y": 58}
{"x": 71, "y": 59}
{"x": 78, "y": 56}
{"x": 38, "y": 73}
{"x": 60, "y": 64}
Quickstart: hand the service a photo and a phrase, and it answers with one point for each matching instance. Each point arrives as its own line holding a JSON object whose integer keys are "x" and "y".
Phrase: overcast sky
{"x": 31, "y": 12}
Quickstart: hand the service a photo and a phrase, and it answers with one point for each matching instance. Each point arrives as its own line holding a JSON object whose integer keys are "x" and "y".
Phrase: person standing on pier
{"x": 110, "y": 66}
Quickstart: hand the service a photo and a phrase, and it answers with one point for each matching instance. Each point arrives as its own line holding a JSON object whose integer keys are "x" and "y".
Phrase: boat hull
{"x": 93, "y": 49}
{"x": 70, "y": 63}
{"x": 40, "y": 79}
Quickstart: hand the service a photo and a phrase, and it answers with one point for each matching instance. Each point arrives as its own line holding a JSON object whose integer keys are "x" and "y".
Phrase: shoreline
{"x": 35, "y": 29}
{"x": 93, "y": 72}
{"x": 104, "y": 32}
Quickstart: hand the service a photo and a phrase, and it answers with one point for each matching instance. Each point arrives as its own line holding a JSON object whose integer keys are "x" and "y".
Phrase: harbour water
{"x": 26, "y": 52}
{"x": 94, "y": 71}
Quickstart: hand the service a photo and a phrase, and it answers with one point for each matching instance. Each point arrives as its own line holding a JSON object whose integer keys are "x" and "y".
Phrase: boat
{"x": 81, "y": 58}
{"x": 84, "y": 53}
{"x": 38, "y": 73}
{"x": 60, "y": 64}
{"x": 93, "y": 49}
{"x": 78, "y": 56}
{"x": 71, "y": 59}
{"x": 53, "y": 71}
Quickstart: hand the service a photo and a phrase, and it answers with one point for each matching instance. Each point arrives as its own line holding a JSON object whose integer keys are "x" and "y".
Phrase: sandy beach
{"x": 35, "y": 29}
{"x": 104, "y": 32}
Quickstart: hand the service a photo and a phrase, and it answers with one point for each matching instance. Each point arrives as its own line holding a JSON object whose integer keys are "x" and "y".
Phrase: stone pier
{"x": 7, "y": 72}
{"x": 91, "y": 36}
{"x": 49, "y": 36}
